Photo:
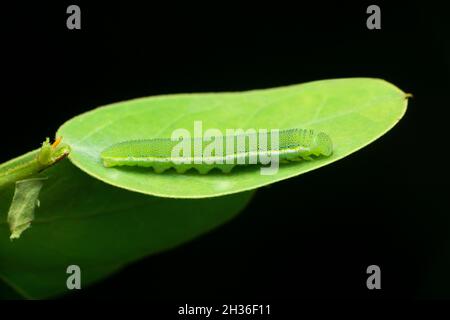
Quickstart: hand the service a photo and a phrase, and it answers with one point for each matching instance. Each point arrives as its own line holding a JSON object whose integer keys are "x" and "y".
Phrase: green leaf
{"x": 353, "y": 112}
{"x": 86, "y": 222}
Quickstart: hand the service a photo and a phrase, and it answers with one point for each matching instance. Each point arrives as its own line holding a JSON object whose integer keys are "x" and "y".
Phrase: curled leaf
{"x": 21, "y": 211}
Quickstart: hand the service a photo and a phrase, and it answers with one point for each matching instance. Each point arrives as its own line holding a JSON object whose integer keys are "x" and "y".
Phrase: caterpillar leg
{"x": 306, "y": 155}
{"x": 226, "y": 168}
{"x": 160, "y": 168}
{"x": 204, "y": 169}
{"x": 182, "y": 168}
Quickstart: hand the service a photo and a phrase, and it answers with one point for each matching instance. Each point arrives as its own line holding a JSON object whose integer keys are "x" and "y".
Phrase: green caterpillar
{"x": 287, "y": 145}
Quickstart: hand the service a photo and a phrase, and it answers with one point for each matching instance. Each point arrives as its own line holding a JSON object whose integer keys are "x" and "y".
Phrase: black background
{"x": 311, "y": 236}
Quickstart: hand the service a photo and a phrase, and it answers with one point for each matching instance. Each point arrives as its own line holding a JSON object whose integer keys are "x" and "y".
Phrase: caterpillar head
{"x": 322, "y": 144}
